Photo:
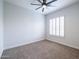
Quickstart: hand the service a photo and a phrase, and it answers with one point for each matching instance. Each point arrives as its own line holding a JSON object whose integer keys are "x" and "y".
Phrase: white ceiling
{"x": 58, "y": 4}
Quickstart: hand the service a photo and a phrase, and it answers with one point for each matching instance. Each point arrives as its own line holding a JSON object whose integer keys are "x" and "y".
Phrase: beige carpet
{"x": 41, "y": 50}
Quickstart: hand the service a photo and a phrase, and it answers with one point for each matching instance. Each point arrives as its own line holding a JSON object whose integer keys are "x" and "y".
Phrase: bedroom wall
{"x": 71, "y": 15}
{"x": 1, "y": 27}
{"x": 21, "y": 26}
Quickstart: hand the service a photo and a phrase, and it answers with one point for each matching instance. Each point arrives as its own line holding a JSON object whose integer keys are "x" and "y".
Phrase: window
{"x": 56, "y": 26}
{"x": 51, "y": 28}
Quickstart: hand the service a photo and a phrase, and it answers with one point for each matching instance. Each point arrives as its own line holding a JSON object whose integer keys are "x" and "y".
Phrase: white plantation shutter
{"x": 50, "y": 27}
{"x": 53, "y": 30}
{"x": 56, "y": 26}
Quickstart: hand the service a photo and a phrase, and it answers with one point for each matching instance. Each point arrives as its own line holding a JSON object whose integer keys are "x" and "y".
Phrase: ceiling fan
{"x": 43, "y": 4}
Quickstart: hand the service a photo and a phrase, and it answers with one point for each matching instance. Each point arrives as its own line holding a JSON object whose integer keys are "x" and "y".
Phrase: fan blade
{"x": 43, "y": 10}
{"x": 51, "y": 1}
{"x": 51, "y": 6}
{"x": 35, "y": 4}
{"x": 39, "y": 1}
{"x": 37, "y": 8}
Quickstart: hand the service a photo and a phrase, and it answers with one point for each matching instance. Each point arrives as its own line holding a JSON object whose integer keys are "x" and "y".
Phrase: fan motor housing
{"x": 44, "y": 4}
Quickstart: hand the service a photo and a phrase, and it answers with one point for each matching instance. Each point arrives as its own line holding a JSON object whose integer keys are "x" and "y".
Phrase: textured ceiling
{"x": 57, "y": 5}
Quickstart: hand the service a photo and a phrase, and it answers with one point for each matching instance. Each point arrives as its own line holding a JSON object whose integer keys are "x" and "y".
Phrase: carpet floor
{"x": 41, "y": 50}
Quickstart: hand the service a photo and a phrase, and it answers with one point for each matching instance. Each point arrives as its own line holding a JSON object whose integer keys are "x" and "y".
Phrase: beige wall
{"x": 71, "y": 15}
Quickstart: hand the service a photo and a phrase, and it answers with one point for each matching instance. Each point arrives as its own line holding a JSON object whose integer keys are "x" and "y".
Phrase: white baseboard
{"x": 76, "y": 47}
{"x": 36, "y": 40}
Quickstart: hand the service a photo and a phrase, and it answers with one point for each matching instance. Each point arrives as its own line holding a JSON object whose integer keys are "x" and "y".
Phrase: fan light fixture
{"x": 44, "y": 6}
